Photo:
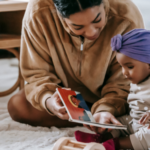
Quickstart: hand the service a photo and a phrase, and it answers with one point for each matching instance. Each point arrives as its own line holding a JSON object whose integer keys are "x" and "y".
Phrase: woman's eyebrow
{"x": 83, "y": 25}
{"x": 96, "y": 17}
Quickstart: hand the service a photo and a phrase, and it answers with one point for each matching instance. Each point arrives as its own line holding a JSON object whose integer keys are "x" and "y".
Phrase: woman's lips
{"x": 93, "y": 37}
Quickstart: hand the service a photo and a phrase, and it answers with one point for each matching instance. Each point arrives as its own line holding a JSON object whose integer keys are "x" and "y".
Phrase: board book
{"x": 78, "y": 110}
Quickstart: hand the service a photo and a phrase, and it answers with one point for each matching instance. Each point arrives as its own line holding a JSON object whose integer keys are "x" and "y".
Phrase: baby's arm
{"x": 145, "y": 118}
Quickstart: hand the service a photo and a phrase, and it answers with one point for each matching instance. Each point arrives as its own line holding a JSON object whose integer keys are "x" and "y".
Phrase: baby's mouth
{"x": 129, "y": 78}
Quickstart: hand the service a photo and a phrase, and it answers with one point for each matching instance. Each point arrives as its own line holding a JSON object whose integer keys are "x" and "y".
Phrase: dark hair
{"x": 68, "y": 7}
{"x": 73, "y": 96}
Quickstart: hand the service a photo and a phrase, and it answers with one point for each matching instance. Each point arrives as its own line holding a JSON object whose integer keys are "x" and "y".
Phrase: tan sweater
{"x": 50, "y": 55}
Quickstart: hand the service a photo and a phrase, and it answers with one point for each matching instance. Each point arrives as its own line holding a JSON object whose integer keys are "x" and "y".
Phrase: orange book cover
{"x": 76, "y": 105}
{"x": 78, "y": 110}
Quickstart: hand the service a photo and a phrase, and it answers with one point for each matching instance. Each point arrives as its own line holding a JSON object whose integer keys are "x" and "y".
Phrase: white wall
{"x": 144, "y": 7}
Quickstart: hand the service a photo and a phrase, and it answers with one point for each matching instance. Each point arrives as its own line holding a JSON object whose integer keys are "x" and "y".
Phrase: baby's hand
{"x": 145, "y": 118}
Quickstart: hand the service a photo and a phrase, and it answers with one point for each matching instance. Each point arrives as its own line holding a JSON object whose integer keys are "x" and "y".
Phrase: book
{"x": 78, "y": 110}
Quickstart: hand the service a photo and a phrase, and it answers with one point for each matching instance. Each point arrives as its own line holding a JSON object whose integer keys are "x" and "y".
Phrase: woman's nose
{"x": 91, "y": 31}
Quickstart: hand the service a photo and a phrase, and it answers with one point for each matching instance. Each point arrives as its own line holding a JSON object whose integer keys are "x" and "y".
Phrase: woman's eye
{"x": 78, "y": 28}
{"x": 131, "y": 67}
{"x": 97, "y": 21}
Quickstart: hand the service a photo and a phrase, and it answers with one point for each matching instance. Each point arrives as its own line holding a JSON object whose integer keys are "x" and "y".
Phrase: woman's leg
{"x": 22, "y": 111}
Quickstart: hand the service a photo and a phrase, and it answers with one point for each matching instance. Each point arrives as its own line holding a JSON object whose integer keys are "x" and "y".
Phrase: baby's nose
{"x": 125, "y": 73}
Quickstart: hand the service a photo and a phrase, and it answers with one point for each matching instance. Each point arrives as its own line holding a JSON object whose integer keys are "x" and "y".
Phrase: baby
{"x": 133, "y": 54}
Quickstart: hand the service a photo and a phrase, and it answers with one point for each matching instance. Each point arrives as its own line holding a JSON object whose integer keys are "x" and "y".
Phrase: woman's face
{"x": 88, "y": 23}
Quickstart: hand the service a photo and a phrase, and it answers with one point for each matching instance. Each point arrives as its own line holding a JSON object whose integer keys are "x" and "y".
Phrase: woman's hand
{"x": 104, "y": 118}
{"x": 55, "y": 106}
{"x": 145, "y": 118}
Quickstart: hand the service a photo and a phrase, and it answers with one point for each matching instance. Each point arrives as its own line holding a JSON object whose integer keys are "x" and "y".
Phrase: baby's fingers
{"x": 142, "y": 118}
{"x": 145, "y": 120}
{"x": 148, "y": 126}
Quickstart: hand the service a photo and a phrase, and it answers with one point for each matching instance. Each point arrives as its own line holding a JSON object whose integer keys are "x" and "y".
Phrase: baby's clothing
{"x": 139, "y": 135}
{"x": 139, "y": 103}
{"x": 139, "y": 99}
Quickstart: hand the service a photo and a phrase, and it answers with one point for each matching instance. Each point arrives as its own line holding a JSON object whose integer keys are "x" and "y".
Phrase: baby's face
{"x": 132, "y": 69}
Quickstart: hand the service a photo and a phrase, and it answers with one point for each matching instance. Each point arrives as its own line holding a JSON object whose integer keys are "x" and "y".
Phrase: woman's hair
{"x": 69, "y": 7}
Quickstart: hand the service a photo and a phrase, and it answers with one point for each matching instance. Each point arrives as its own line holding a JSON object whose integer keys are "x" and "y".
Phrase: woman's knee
{"x": 22, "y": 111}
{"x": 15, "y": 106}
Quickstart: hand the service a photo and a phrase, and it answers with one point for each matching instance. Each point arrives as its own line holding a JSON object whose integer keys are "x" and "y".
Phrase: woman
{"x": 67, "y": 43}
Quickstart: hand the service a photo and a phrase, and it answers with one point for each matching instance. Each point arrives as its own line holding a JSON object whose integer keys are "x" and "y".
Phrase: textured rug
{"x": 17, "y": 136}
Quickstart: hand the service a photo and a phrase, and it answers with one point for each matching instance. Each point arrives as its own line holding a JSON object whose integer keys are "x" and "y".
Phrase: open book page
{"x": 78, "y": 110}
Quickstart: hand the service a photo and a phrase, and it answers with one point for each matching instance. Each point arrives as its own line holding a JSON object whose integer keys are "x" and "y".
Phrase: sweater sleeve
{"x": 114, "y": 92}
{"x": 116, "y": 88}
{"x": 36, "y": 65}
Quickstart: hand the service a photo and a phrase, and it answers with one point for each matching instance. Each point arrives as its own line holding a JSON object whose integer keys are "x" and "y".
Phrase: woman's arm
{"x": 114, "y": 92}
{"x": 36, "y": 65}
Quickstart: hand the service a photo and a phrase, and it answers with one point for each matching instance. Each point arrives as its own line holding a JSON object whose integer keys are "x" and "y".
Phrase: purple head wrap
{"x": 134, "y": 44}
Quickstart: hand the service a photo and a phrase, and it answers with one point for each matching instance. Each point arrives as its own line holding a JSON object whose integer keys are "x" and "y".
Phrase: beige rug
{"x": 17, "y": 136}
